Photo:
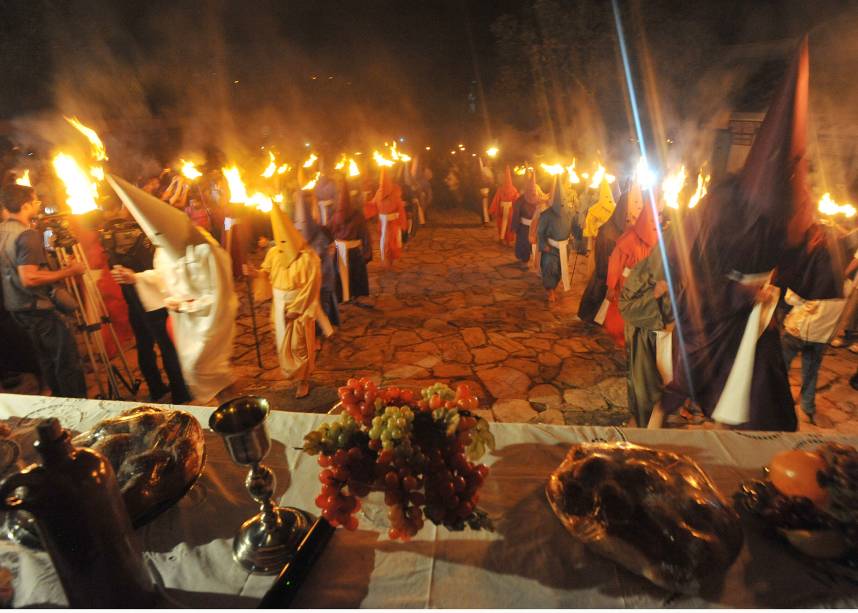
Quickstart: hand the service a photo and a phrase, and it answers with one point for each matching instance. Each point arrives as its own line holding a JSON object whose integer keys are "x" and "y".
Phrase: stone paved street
{"x": 459, "y": 307}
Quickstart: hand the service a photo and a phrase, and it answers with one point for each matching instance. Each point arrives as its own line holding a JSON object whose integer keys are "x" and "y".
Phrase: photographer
{"x": 27, "y": 282}
{"x": 129, "y": 251}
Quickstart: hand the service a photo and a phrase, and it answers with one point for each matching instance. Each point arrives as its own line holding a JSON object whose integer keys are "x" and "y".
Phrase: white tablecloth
{"x": 530, "y": 561}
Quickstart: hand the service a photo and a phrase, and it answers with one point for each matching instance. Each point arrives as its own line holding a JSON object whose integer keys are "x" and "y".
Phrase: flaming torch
{"x": 573, "y": 176}
{"x": 310, "y": 161}
{"x": 354, "y": 171}
{"x": 828, "y": 206}
{"x": 311, "y": 184}
{"x": 697, "y": 196}
{"x": 237, "y": 190}
{"x": 189, "y": 170}
{"x": 672, "y": 185}
{"x": 81, "y": 192}
{"x": 553, "y": 169}
{"x": 601, "y": 174}
{"x": 381, "y": 160}
{"x": 98, "y": 150}
{"x": 24, "y": 179}
{"x": 271, "y": 168}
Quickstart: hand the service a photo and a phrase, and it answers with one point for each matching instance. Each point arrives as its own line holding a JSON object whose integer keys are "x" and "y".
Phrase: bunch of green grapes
{"x": 330, "y": 436}
{"x": 391, "y": 428}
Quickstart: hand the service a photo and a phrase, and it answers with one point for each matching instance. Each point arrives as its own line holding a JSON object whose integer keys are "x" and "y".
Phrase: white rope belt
{"x": 325, "y": 210}
{"x": 343, "y": 263}
{"x": 561, "y": 246}
{"x": 484, "y": 192}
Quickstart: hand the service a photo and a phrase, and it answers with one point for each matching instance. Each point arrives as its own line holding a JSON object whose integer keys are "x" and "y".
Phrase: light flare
{"x": 644, "y": 176}
{"x": 492, "y": 152}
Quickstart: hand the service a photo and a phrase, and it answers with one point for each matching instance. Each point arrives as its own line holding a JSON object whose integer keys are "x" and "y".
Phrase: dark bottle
{"x": 84, "y": 525}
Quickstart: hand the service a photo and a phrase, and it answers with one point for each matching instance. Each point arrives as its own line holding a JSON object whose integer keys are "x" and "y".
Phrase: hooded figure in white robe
{"x": 192, "y": 275}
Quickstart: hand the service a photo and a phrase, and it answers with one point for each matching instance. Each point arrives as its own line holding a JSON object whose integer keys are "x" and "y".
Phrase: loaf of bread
{"x": 155, "y": 453}
{"x": 654, "y": 512}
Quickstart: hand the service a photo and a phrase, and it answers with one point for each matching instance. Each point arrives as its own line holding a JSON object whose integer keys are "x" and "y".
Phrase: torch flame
{"x": 189, "y": 170}
{"x": 573, "y": 176}
{"x": 598, "y": 176}
{"x": 237, "y": 190}
{"x": 283, "y": 168}
{"x": 381, "y": 160}
{"x": 397, "y": 155}
{"x": 98, "y": 151}
{"x": 354, "y": 171}
{"x": 672, "y": 185}
{"x": 492, "y": 152}
{"x": 271, "y": 168}
{"x": 311, "y": 184}
{"x": 25, "y": 179}
{"x": 342, "y": 163}
{"x": 702, "y": 182}
{"x": 521, "y": 169}
{"x": 80, "y": 190}
{"x": 260, "y": 202}
{"x": 97, "y": 173}
{"x": 553, "y": 169}
{"x": 311, "y": 160}
{"x": 828, "y": 206}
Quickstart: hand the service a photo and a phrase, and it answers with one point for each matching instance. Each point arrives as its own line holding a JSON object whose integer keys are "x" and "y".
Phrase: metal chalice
{"x": 268, "y": 540}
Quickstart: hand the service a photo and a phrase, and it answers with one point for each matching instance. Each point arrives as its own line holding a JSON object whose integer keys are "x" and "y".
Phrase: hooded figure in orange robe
{"x": 391, "y": 217}
{"x": 633, "y": 246}
{"x": 506, "y": 193}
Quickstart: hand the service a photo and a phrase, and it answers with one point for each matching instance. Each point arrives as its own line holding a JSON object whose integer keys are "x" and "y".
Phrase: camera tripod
{"x": 91, "y": 317}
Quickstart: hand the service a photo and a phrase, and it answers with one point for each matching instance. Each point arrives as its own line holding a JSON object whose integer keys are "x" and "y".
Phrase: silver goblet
{"x": 268, "y": 540}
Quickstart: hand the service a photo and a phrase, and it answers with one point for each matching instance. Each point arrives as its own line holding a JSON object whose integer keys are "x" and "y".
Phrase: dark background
{"x": 161, "y": 77}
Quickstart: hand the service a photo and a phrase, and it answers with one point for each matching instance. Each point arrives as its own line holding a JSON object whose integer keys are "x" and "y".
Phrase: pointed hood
{"x": 507, "y": 191}
{"x": 774, "y": 178}
{"x": 167, "y": 227}
{"x": 635, "y": 203}
{"x": 287, "y": 240}
{"x": 601, "y": 211}
{"x": 557, "y": 200}
{"x": 645, "y": 226}
{"x": 532, "y": 192}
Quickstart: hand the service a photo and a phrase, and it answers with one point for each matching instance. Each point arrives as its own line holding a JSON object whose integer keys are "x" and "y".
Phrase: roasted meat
{"x": 653, "y": 512}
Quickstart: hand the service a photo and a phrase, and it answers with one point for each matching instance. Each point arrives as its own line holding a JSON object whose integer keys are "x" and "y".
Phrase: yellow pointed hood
{"x": 287, "y": 240}
{"x": 601, "y": 211}
{"x": 167, "y": 227}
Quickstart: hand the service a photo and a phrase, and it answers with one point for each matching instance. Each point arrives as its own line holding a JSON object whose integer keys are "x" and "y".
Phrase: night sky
{"x": 381, "y": 66}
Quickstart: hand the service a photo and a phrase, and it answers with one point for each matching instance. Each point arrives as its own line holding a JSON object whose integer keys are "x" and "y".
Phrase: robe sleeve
{"x": 637, "y": 304}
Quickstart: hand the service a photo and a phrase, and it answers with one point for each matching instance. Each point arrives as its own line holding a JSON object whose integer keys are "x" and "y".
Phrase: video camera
{"x": 56, "y": 230}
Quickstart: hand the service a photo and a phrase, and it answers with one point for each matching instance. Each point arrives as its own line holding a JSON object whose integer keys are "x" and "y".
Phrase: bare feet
{"x": 303, "y": 389}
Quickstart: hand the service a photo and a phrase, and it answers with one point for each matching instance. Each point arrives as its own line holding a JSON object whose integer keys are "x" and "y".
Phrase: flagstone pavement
{"x": 458, "y": 307}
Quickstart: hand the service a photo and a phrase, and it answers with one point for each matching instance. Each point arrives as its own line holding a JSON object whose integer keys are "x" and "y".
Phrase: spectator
{"x": 27, "y": 282}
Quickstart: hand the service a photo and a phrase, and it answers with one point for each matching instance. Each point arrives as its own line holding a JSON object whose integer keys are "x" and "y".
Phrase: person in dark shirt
{"x": 27, "y": 282}
{"x": 130, "y": 251}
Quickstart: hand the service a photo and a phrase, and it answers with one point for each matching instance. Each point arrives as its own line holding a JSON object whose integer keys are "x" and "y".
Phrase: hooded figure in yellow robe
{"x": 293, "y": 274}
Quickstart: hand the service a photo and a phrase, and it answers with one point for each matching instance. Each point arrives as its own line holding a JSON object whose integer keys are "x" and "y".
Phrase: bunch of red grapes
{"x": 419, "y": 450}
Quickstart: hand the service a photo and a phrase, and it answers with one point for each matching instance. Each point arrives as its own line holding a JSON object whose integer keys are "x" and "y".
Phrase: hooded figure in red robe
{"x": 391, "y": 217}
{"x": 506, "y": 193}
{"x": 525, "y": 217}
{"x": 730, "y": 361}
{"x": 633, "y": 246}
